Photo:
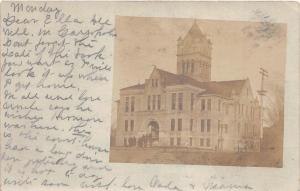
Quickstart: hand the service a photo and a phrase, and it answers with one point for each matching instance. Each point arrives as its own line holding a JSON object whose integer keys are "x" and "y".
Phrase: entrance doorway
{"x": 154, "y": 131}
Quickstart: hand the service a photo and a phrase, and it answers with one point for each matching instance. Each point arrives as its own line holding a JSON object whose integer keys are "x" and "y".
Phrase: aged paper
{"x": 149, "y": 96}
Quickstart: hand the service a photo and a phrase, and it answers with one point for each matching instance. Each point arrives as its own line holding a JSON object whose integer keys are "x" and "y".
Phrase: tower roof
{"x": 195, "y": 31}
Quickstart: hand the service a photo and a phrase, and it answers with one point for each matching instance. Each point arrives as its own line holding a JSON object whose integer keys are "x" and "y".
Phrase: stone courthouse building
{"x": 187, "y": 109}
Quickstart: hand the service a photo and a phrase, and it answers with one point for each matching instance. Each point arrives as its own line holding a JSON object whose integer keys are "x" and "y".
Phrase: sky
{"x": 239, "y": 49}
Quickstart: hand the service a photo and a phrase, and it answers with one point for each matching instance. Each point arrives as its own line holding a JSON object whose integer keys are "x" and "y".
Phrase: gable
{"x": 154, "y": 74}
{"x": 247, "y": 91}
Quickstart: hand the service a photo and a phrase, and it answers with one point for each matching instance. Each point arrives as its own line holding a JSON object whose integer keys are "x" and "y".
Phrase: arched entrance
{"x": 151, "y": 138}
{"x": 154, "y": 131}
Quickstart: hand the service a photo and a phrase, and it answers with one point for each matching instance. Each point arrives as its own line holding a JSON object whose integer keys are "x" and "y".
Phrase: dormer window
{"x": 132, "y": 104}
{"x": 127, "y": 104}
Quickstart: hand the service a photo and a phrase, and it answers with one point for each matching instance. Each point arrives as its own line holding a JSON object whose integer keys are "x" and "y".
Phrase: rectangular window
{"x": 202, "y": 104}
{"x": 191, "y": 141}
{"x": 219, "y": 105}
{"x": 126, "y": 125}
{"x": 192, "y": 102}
{"x": 219, "y": 126}
{"x": 183, "y": 68}
{"x": 172, "y": 141}
{"x": 192, "y": 69}
{"x": 225, "y": 128}
{"x": 126, "y": 104}
{"x": 158, "y": 102}
{"x": 227, "y": 109}
{"x": 132, "y": 104}
{"x": 239, "y": 128}
{"x": 202, "y": 125}
{"x": 209, "y": 104}
{"x": 191, "y": 124}
{"x": 149, "y": 102}
{"x": 234, "y": 109}
{"x": 173, "y": 101}
{"x": 208, "y": 126}
{"x": 179, "y": 124}
{"x": 208, "y": 142}
{"x": 242, "y": 109}
{"x": 152, "y": 82}
{"x": 201, "y": 142}
{"x": 172, "y": 124}
{"x": 153, "y": 102}
{"x": 180, "y": 100}
{"x": 125, "y": 142}
{"x": 131, "y": 125}
{"x": 178, "y": 141}
{"x": 156, "y": 83}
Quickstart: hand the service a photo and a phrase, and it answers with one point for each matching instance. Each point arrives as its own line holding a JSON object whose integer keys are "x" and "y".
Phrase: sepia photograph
{"x": 198, "y": 92}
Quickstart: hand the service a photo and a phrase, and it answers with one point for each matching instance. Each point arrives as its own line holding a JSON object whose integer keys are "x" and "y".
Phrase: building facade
{"x": 187, "y": 109}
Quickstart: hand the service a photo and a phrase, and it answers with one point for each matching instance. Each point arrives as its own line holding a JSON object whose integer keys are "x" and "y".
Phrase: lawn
{"x": 267, "y": 158}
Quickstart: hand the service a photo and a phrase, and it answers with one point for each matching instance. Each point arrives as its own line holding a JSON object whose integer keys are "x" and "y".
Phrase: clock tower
{"x": 194, "y": 55}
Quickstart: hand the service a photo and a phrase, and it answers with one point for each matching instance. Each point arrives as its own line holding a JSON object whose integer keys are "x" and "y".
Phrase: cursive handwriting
{"x": 53, "y": 61}
{"x": 157, "y": 183}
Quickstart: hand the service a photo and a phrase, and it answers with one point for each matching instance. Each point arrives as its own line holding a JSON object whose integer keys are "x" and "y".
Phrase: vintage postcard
{"x": 149, "y": 96}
